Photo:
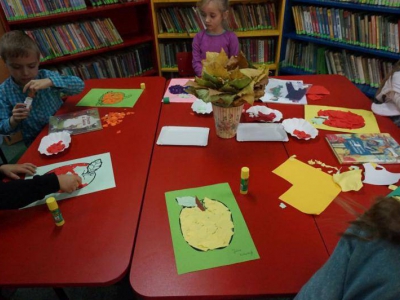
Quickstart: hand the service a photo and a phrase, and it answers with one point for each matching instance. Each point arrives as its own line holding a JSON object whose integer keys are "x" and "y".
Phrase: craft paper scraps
{"x": 317, "y": 92}
{"x": 285, "y": 91}
{"x": 175, "y": 91}
{"x": 95, "y": 171}
{"x": 378, "y": 175}
{"x": 261, "y": 113}
{"x": 312, "y": 190}
{"x": 111, "y": 97}
{"x": 341, "y": 119}
{"x": 349, "y": 181}
{"x": 114, "y": 118}
{"x": 193, "y": 227}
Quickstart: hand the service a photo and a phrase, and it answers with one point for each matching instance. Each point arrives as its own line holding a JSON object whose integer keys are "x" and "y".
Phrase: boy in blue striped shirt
{"x": 21, "y": 56}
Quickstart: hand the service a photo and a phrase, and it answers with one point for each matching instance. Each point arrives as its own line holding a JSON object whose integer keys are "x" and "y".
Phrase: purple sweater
{"x": 204, "y": 42}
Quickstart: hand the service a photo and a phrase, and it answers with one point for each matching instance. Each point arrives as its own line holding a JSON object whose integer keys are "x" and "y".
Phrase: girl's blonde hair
{"x": 396, "y": 68}
{"x": 223, "y": 6}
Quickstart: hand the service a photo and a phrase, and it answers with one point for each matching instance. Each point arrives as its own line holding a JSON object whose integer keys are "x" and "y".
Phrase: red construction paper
{"x": 301, "y": 134}
{"x": 342, "y": 119}
{"x": 317, "y": 90}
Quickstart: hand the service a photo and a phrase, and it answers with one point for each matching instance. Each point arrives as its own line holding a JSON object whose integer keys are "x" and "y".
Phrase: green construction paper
{"x": 395, "y": 193}
{"x": 188, "y": 259}
{"x": 94, "y": 96}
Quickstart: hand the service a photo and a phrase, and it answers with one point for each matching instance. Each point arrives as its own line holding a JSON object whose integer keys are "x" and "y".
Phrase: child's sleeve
{"x": 5, "y": 114}
{"x": 234, "y": 47}
{"x": 69, "y": 85}
{"x": 19, "y": 193}
{"x": 196, "y": 60}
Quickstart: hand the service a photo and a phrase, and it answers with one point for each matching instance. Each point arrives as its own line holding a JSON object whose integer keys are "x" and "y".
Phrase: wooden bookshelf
{"x": 350, "y": 43}
{"x": 245, "y": 33}
{"x": 132, "y": 21}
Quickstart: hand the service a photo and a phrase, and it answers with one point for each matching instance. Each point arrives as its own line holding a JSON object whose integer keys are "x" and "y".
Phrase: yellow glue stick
{"x": 244, "y": 180}
{"x": 55, "y": 211}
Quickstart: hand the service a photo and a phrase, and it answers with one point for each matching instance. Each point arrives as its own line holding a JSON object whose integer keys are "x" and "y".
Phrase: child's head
{"x": 21, "y": 56}
{"x": 215, "y": 14}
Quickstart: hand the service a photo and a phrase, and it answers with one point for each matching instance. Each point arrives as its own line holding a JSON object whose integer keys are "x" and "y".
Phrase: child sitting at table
{"x": 366, "y": 262}
{"x": 21, "y": 56}
{"x": 18, "y": 193}
{"x": 216, "y": 36}
{"x": 389, "y": 91}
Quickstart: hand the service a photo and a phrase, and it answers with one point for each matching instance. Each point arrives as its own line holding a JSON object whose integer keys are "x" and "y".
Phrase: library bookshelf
{"x": 105, "y": 41}
{"x": 258, "y": 25}
{"x": 359, "y": 41}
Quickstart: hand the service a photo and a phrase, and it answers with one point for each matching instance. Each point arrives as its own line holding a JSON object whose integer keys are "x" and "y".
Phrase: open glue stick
{"x": 28, "y": 102}
{"x": 55, "y": 211}
{"x": 244, "y": 180}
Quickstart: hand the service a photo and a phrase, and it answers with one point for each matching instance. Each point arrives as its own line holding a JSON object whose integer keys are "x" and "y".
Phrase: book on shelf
{"x": 77, "y": 122}
{"x": 354, "y": 148}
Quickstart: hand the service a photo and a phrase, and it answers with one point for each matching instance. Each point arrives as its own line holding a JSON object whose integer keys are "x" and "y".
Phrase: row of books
{"x": 130, "y": 62}
{"x": 106, "y": 2}
{"x": 242, "y": 17}
{"x": 389, "y": 3}
{"x": 23, "y": 9}
{"x": 168, "y": 52}
{"x": 70, "y": 38}
{"x": 317, "y": 59}
{"x": 368, "y": 30}
{"x": 260, "y": 51}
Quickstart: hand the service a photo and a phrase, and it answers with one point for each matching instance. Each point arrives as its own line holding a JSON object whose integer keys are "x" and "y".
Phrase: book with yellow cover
{"x": 359, "y": 148}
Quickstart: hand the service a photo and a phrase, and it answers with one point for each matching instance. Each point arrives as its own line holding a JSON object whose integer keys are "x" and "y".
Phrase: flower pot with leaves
{"x": 228, "y": 83}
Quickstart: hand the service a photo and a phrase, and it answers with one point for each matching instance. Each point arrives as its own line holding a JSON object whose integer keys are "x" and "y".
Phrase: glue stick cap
{"x": 51, "y": 203}
{"x": 245, "y": 172}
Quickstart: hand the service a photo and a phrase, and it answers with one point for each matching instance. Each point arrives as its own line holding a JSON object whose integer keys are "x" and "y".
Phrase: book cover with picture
{"x": 359, "y": 148}
{"x": 77, "y": 122}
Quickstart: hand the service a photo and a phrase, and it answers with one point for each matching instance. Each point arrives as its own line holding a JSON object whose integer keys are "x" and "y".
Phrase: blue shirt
{"x": 357, "y": 270}
{"x": 45, "y": 103}
{"x": 204, "y": 42}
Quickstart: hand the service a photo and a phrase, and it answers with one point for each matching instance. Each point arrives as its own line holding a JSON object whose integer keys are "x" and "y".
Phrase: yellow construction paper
{"x": 371, "y": 126}
{"x": 312, "y": 190}
{"x": 349, "y": 181}
{"x": 209, "y": 229}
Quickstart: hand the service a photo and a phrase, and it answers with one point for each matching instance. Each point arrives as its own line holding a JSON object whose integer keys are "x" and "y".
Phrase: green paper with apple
{"x": 240, "y": 248}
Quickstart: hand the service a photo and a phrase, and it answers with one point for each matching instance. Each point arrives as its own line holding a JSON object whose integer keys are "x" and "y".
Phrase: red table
{"x": 288, "y": 242}
{"x": 334, "y": 220}
{"x": 95, "y": 245}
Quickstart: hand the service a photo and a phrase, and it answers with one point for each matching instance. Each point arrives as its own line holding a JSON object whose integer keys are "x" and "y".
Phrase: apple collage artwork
{"x": 205, "y": 225}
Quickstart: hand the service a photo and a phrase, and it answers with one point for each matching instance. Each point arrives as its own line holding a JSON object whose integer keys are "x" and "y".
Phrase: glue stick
{"x": 28, "y": 102}
{"x": 55, "y": 211}
{"x": 244, "y": 180}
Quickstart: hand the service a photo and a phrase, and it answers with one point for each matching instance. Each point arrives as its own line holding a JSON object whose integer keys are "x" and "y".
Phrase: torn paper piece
{"x": 312, "y": 190}
{"x": 282, "y": 205}
{"x": 379, "y": 175}
{"x": 349, "y": 181}
{"x": 187, "y": 201}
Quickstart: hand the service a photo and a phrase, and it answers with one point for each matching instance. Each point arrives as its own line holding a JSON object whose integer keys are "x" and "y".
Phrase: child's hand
{"x": 69, "y": 183}
{"x": 19, "y": 112}
{"x": 37, "y": 84}
{"x": 11, "y": 171}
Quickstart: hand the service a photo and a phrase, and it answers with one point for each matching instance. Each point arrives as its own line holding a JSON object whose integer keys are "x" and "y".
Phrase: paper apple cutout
{"x": 207, "y": 226}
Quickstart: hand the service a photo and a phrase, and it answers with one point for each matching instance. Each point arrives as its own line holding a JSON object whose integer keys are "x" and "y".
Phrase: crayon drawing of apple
{"x": 207, "y": 225}
{"x": 87, "y": 171}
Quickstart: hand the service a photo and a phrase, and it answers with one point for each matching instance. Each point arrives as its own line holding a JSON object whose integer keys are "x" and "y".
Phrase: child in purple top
{"x": 216, "y": 36}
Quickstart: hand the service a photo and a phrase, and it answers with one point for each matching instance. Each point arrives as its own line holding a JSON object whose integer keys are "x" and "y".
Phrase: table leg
{"x": 61, "y": 293}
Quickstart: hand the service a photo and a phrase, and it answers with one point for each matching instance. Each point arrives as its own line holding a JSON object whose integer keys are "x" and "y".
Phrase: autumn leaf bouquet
{"x": 228, "y": 82}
